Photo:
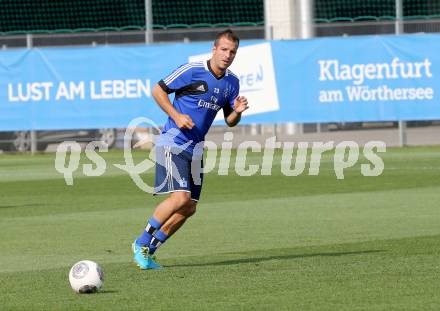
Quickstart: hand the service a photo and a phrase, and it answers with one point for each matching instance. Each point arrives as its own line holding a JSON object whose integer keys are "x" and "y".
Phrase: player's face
{"x": 223, "y": 54}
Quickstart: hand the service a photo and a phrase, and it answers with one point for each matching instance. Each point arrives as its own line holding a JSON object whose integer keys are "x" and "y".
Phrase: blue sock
{"x": 146, "y": 236}
{"x": 158, "y": 239}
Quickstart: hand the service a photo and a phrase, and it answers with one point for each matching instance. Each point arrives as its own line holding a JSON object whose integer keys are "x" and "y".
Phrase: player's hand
{"x": 183, "y": 121}
{"x": 240, "y": 104}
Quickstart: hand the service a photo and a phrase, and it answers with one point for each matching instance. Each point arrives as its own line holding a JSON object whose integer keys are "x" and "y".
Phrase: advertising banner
{"x": 366, "y": 78}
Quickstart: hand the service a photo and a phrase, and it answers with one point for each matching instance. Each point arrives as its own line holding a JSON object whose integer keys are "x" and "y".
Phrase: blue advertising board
{"x": 367, "y": 78}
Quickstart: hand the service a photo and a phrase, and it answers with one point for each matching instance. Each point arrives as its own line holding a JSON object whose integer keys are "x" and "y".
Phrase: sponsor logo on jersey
{"x": 205, "y": 104}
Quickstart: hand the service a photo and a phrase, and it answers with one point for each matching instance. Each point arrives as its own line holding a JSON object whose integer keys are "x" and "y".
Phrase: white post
{"x": 29, "y": 45}
{"x": 399, "y": 17}
{"x": 268, "y": 35}
{"x": 148, "y": 22}
{"x": 289, "y": 19}
{"x": 254, "y": 129}
{"x": 306, "y": 9}
{"x": 399, "y": 30}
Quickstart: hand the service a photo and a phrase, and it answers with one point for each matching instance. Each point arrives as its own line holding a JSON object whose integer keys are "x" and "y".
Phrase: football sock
{"x": 158, "y": 239}
{"x": 147, "y": 235}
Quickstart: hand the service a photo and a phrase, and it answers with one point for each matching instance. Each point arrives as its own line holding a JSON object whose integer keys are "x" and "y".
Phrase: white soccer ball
{"x": 86, "y": 277}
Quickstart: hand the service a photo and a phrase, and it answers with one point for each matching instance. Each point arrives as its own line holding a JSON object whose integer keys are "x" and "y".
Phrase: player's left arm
{"x": 233, "y": 114}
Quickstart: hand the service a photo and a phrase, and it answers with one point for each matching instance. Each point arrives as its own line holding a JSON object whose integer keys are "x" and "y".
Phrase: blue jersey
{"x": 199, "y": 94}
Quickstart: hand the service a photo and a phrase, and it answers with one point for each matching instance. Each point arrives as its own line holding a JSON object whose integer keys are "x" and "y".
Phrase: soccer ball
{"x": 86, "y": 277}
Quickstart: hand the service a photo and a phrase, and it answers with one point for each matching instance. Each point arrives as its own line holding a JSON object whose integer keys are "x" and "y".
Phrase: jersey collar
{"x": 208, "y": 67}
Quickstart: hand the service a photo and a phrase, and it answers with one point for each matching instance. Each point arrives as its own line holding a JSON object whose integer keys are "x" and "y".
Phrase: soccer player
{"x": 201, "y": 90}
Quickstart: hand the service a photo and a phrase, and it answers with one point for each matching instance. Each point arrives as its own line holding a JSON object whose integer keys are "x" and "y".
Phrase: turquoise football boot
{"x": 152, "y": 264}
{"x": 142, "y": 258}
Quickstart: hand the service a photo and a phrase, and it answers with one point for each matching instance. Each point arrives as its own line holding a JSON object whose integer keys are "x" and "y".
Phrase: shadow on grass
{"x": 277, "y": 257}
{"x": 21, "y": 205}
{"x": 107, "y": 291}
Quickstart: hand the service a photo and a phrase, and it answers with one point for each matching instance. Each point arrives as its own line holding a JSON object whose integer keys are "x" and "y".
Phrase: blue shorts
{"x": 178, "y": 170}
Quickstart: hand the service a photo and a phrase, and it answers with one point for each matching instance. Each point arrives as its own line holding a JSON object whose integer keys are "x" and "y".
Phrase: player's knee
{"x": 181, "y": 199}
{"x": 190, "y": 208}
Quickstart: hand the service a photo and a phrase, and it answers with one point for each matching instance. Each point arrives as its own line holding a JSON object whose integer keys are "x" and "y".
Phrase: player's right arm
{"x": 162, "y": 99}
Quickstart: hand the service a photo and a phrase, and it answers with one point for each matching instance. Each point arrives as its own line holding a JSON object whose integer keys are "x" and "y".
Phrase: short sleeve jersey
{"x": 199, "y": 94}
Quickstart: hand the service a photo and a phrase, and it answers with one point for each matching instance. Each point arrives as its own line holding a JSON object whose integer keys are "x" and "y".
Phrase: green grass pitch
{"x": 256, "y": 243}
